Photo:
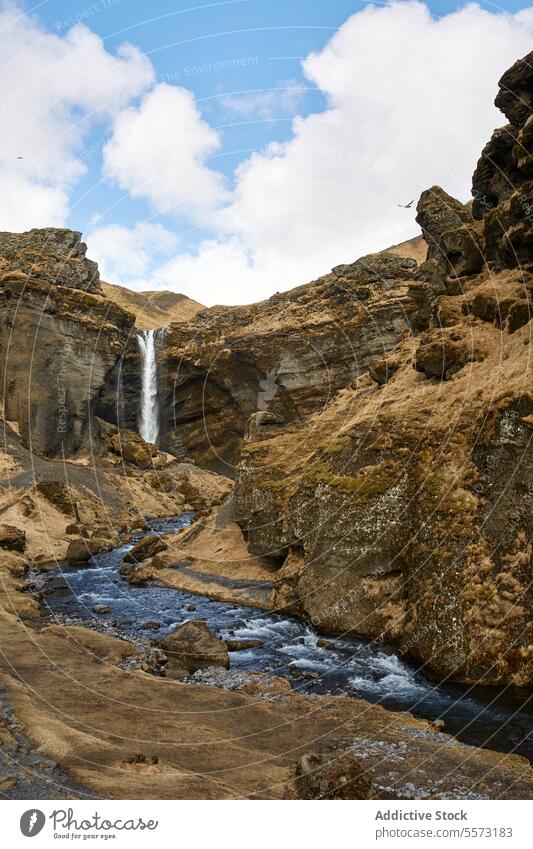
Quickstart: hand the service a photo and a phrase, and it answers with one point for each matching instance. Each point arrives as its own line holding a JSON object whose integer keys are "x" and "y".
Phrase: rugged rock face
{"x": 53, "y": 255}
{"x": 403, "y": 502}
{"x": 286, "y": 356}
{"x": 59, "y": 339}
{"x": 501, "y": 184}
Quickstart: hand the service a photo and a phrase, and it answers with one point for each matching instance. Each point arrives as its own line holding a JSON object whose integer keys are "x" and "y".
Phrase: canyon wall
{"x": 401, "y": 510}
{"x": 60, "y": 339}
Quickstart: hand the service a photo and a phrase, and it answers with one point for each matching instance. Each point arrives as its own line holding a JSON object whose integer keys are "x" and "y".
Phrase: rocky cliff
{"x": 400, "y": 508}
{"x": 287, "y": 356}
{"x": 60, "y": 339}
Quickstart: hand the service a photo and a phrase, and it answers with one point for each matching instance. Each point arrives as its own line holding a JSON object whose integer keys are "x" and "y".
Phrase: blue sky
{"x": 234, "y": 149}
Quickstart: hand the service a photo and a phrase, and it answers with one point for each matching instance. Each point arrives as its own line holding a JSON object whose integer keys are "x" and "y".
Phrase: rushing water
{"x": 499, "y": 719}
{"x": 149, "y": 417}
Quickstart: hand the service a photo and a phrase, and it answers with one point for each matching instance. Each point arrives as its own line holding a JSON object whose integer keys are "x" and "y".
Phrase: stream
{"x": 495, "y": 718}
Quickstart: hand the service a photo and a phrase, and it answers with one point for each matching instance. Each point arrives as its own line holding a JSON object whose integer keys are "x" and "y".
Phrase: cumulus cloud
{"x": 160, "y": 151}
{"x": 53, "y": 88}
{"x": 129, "y": 254}
{"x": 409, "y": 104}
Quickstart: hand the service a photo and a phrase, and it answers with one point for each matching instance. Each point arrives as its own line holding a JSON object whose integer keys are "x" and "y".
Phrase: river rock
{"x": 101, "y": 609}
{"x": 243, "y": 645}
{"x": 80, "y": 550}
{"x": 326, "y": 644}
{"x": 12, "y": 538}
{"x": 192, "y": 646}
{"x": 147, "y": 547}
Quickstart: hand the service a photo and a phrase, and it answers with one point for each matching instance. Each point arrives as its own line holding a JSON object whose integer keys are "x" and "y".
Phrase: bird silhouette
{"x": 407, "y": 205}
{"x": 20, "y": 157}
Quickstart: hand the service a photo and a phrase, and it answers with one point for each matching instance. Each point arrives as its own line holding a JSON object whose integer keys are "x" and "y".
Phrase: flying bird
{"x": 407, "y": 205}
{"x": 20, "y": 157}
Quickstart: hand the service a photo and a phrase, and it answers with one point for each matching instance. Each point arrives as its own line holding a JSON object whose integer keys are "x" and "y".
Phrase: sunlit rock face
{"x": 400, "y": 510}
{"x": 60, "y": 338}
{"x": 288, "y": 355}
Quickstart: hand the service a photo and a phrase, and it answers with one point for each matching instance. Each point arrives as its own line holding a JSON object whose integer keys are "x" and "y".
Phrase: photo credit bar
{"x": 234, "y": 824}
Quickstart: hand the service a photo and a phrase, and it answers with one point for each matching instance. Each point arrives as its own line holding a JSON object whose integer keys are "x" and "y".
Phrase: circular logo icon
{"x": 32, "y": 822}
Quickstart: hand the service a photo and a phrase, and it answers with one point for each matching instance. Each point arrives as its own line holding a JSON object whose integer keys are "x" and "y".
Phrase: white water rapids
{"x": 149, "y": 414}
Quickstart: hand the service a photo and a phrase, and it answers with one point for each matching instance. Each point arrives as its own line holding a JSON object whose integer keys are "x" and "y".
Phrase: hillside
{"x": 152, "y": 309}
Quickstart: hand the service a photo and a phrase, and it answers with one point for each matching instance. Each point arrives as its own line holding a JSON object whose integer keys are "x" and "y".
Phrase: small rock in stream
{"x": 326, "y": 644}
{"x": 243, "y": 645}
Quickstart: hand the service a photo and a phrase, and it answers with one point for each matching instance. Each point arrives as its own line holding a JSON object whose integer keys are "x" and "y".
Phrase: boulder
{"x": 80, "y": 550}
{"x": 137, "y": 452}
{"x": 145, "y": 548}
{"x": 437, "y": 213}
{"x": 441, "y": 354}
{"x": 11, "y": 538}
{"x": 16, "y": 565}
{"x": 192, "y": 646}
{"x": 332, "y": 775}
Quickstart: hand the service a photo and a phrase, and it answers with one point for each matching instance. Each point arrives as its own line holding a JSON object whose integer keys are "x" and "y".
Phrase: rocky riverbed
{"x": 98, "y": 597}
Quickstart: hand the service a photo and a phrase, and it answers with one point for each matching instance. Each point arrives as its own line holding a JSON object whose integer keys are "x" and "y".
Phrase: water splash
{"x": 149, "y": 415}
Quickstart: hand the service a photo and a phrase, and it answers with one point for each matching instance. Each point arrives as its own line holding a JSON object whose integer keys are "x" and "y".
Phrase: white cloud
{"x": 127, "y": 255}
{"x": 52, "y": 90}
{"x": 158, "y": 152}
{"x": 409, "y": 104}
{"x": 278, "y": 102}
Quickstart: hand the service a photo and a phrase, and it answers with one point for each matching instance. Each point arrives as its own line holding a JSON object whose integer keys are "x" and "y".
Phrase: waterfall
{"x": 149, "y": 418}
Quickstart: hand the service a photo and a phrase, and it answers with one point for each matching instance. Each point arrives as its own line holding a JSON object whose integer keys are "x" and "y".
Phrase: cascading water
{"x": 149, "y": 418}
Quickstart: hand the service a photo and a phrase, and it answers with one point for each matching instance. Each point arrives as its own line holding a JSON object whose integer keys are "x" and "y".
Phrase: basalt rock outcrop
{"x": 403, "y": 501}
{"x": 287, "y": 356}
{"x": 60, "y": 339}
